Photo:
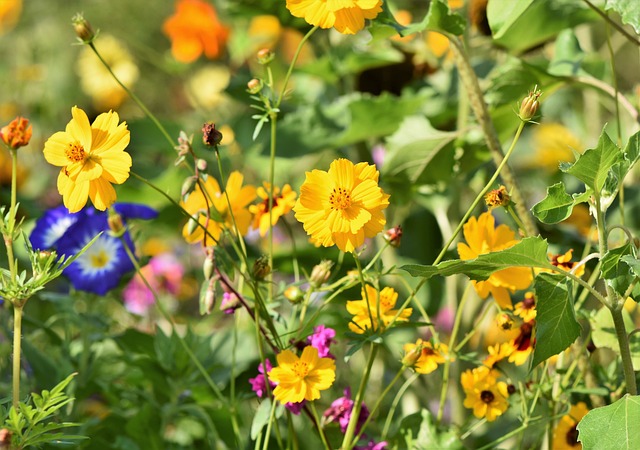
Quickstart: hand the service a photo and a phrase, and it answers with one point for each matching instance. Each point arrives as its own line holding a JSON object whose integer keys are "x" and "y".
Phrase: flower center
{"x": 301, "y": 369}
{"x": 340, "y": 198}
{"x": 75, "y": 152}
{"x": 572, "y": 436}
{"x": 487, "y": 396}
{"x": 99, "y": 260}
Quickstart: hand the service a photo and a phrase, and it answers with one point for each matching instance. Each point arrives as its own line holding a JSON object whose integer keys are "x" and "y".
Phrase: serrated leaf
{"x": 633, "y": 263}
{"x": 616, "y": 272}
{"x": 629, "y": 11}
{"x": 612, "y": 427}
{"x": 555, "y": 207}
{"x": 556, "y": 324}
{"x": 593, "y": 166}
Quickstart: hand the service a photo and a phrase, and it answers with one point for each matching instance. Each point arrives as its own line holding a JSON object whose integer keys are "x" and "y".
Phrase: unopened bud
{"x": 412, "y": 356}
{"x": 211, "y": 136}
{"x": 187, "y": 186}
{"x": 261, "y": 268}
{"x": 208, "y": 265}
{"x": 530, "y": 104}
{"x": 265, "y": 56}
{"x": 294, "y": 294}
{"x": 201, "y": 164}
{"x": 320, "y": 273}
{"x": 116, "y": 224}
{"x": 184, "y": 144}
{"x": 394, "y": 235}
{"x": 497, "y": 197}
{"x": 504, "y": 321}
{"x": 254, "y": 86}
{"x": 17, "y": 133}
{"x": 511, "y": 389}
{"x": 83, "y": 28}
{"x": 229, "y": 303}
{"x": 207, "y": 296}
{"x": 193, "y": 224}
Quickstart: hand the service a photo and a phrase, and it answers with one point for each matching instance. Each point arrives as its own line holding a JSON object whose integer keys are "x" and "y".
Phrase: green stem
{"x": 480, "y": 196}
{"x": 347, "y": 443}
{"x": 625, "y": 353}
{"x": 613, "y": 23}
{"x": 316, "y": 419}
{"x": 394, "y": 404}
{"x": 17, "y": 336}
{"x": 293, "y": 63}
{"x": 135, "y": 98}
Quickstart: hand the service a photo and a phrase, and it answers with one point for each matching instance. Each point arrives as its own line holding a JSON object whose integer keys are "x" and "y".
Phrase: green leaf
{"x": 555, "y": 207}
{"x": 633, "y": 263}
{"x": 556, "y": 324}
{"x": 261, "y": 417}
{"x": 419, "y": 432}
{"x": 440, "y": 19}
{"x": 568, "y": 56}
{"x": 629, "y": 11}
{"x": 604, "y": 334}
{"x": 612, "y": 427}
{"x": 529, "y": 252}
{"x": 618, "y": 273}
{"x": 593, "y": 166}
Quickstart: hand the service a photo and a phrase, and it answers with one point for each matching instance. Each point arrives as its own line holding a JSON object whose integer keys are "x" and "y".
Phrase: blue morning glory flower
{"x": 100, "y": 268}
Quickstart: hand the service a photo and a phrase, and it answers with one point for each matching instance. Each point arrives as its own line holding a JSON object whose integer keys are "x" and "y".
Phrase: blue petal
{"x": 135, "y": 211}
{"x": 53, "y": 224}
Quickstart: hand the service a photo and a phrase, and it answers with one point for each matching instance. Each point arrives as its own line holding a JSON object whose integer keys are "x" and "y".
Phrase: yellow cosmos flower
{"x": 92, "y": 157}
{"x": 429, "y": 357}
{"x": 497, "y": 353}
{"x": 526, "y": 309}
{"x": 342, "y": 206}
{"x": 373, "y": 308}
{"x": 564, "y": 262}
{"x": 301, "y": 378}
{"x": 283, "y": 202}
{"x": 211, "y": 209}
{"x": 565, "y": 436}
{"x": 346, "y": 16}
{"x": 483, "y": 237}
{"x": 484, "y": 394}
{"x": 553, "y": 143}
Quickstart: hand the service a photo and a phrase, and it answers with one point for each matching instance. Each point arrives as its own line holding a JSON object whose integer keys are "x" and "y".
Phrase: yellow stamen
{"x": 75, "y": 152}
{"x": 340, "y": 198}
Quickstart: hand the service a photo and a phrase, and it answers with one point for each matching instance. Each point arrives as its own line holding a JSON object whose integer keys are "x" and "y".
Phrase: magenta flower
{"x": 340, "y": 410}
{"x": 371, "y": 445}
{"x": 321, "y": 339}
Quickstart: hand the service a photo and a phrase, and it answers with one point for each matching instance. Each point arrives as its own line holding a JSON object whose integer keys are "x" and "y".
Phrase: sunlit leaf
{"x": 556, "y": 206}
{"x": 612, "y": 427}
{"x": 616, "y": 272}
{"x": 629, "y": 11}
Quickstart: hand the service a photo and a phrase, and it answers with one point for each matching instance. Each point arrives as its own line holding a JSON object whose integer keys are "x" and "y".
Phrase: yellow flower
{"x": 564, "y": 262}
{"x": 95, "y": 79}
{"x": 484, "y": 394}
{"x": 342, "y": 206}
{"x": 9, "y": 14}
{"x": 526, "y": 309}
{"x": 429, "y": 357}
{"x": 554, "y": 143}
{"x": 367, "y": 314}
{"x": 523, "y": 344}
{"x": 282, "y": 203}
{"x": 565, "y": 436}
{"x": 346, "y": 16}
{"x": 497, "y": 353}
{"x": 212, "y": 210}
{"x": 92, "y": 157}
{"x": 301, "y": 378}
{"x": 483, "y": 237}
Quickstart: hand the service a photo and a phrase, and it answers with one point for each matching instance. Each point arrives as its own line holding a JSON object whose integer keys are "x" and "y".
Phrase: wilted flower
{"x": 210, "y": 135}
{"x": 497, "y": 197}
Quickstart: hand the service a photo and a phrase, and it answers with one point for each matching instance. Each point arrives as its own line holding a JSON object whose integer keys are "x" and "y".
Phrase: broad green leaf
{"x": 593, "y": 166}
{"x": 612, "y": 427}
{"x": 261, "y": 417}
{"x": 629, "y": 11}
{"x": 604, "y": 334}
{"x": 555, "y": 207}
{"x": 502, "y": 14}
{"x": 618, "y": 273}
{"x": 419, "y": 432}
{"x": 633, "y": 263}
{"x": 556, "y": 324}
{"x": 439, "y": 18}
{"x": 568, "y": 56}
{"x": 631, "y": 154}
{"x": 529, "y": 252}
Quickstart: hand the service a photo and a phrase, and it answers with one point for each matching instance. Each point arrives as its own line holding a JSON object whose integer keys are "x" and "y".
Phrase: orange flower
{"x": 195, "y": 29}
{"x": 17, "y": 133}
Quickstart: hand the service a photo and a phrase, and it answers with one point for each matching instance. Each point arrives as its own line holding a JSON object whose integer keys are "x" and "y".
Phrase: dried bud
{"x": 5, "y": 439}
{"x": 17, "y": 134}
{"x": 497, "y": 197}
{"x": 265, "y": 56}
{"x": 412, "y": 356}
{"x": 261, "y": 268}
{"x": 504, "y": 321}
{"x": 116, "y": 224}
{"x": 511, "y": 389}
{"x": 294, "y": 294}
{"x": 530, "y": 104}
{"x": 254, "y": 86}
{"x": 230, "y": 303}
{"x": 83, "y": 28}
{"x": 320, "y": 273}
{"x": 211, "y": 136}
{"x": 394, "y": 235}
{"x": 201, "y": 164}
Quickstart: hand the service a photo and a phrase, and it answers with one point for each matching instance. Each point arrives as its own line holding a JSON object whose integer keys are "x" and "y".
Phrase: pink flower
{"x": 340, "y": 410}
{"x": 321, "y": 339}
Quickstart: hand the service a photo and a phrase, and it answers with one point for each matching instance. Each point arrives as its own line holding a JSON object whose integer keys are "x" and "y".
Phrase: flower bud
{"x": 530, "y": 104}
{"x": 394, "y": 235}
{"x": 254, "y": 86}
{"x": 229, "y": 303}
{"x": 320, "y": 273}
{"x": 17, "y": 134}
{"x": 187, "y": 186}
{"x": 83, "y": 28}
{"x": 201, "y": 164}
{"x": 116, "y": 224}
{"x": 193, "y": 224}
{"x": 184, "y": 144}
{"x": 294, "y": 294}
{"x": 504, "y": 321}
{"x": 208, "y": 265}
{"x": 497, "y": 197}
{"x": 261, "y": 268}
{"x": 265, "y": 56}
{"x": 211, "y": 136}
{"x": 412, "y": 356}
{"x": 207, "y": 296}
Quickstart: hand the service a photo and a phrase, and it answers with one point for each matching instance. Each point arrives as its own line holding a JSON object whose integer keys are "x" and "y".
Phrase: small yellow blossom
{"x": 565, "y": 436}
{"x": 564, "y": 262}
{"x": 523, "y": 344}
{"x": 301, "y": 378}
{"x": 497, "y": 353}
{"x": 553, "y": 143}
{"x": 526, "y": 309}
{"x": 373, "y": 308}
{"x": 429, "y": 357}
{"x": 283, "y": 202}
{"x": 482, "y": 236}
{"x": 91, "y": 158}
{"x": 484, "y": 394}
{"x": 346, "y": 16}
{"x": 342, "y": 206}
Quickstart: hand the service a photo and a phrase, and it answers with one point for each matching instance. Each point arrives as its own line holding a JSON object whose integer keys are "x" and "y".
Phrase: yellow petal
{"x": 102, "y": 194}
{"x": 80, "y": 128}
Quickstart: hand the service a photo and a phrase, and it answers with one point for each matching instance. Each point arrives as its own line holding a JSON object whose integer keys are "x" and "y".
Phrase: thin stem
{"x": 394, "y": 404}
{"x": 625, "y": 353}
{"x": 604, "y": 87}
{"x": 347, "y": 443}
{"x": 293, "y": 63}
{"x": 17, "y": 336}
{"x": 316, "y": 420}
{"x": 614, "y": 24}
